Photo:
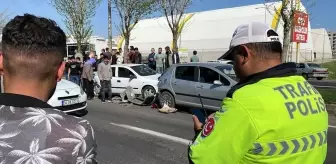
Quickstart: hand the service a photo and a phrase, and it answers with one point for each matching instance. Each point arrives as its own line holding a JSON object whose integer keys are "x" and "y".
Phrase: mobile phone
{"x": 199, "y": 113}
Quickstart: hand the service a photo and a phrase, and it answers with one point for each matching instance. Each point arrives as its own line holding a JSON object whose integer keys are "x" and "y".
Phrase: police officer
{"x": 271, "y": 116}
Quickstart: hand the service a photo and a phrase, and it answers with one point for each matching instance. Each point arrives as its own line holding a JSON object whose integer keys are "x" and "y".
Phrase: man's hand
{"x": 198, "y": 126}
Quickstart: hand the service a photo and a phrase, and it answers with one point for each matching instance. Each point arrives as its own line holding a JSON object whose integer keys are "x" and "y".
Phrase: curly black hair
{"x": 33, "y": 47}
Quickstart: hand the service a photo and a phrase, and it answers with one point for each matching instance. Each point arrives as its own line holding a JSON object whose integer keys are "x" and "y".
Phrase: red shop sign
{"x": 300, "y": 27}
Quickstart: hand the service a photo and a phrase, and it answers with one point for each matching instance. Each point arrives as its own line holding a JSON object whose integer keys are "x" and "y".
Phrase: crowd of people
{"x": 159, "y": 61}
{"x": 81, "y": 72}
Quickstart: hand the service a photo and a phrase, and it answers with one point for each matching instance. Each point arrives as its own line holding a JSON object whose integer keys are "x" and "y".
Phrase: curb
{"x": 331, "y": 108}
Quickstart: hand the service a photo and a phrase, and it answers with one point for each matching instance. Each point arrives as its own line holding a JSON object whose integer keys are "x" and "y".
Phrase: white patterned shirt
{"x": 31, "y": 131}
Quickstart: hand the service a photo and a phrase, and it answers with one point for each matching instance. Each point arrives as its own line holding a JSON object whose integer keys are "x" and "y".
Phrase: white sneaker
{"x": 109, "y": 101}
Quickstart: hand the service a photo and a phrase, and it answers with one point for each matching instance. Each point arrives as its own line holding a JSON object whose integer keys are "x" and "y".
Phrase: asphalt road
{"x": 128, "y": 135}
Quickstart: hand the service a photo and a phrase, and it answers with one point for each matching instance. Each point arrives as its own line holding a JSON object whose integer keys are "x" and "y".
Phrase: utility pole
{"x": 324, "y": 30}
{"x": 297, "y": 43}
{"x": 109, "y": 11}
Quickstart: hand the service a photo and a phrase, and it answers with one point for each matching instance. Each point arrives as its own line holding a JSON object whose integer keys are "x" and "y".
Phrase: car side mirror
{"x": 217, "y": 82}
{"x": 132, "y": 77}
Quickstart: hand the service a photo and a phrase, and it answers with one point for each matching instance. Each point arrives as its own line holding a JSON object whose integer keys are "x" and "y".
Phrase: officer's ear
{"x": 245, "y": 53}
{"x": 1, "y": 63}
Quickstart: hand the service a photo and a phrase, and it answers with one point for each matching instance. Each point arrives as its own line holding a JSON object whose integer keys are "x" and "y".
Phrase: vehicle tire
{"x": 305, "y": 76}
{"x": 167, "y": 98}
{"x": 147, "y": 91}
{"x": 319, "y": 78}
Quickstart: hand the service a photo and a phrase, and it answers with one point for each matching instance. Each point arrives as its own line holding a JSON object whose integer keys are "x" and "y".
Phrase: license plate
{"x": 70, "y": 102}
{"x": 321, "y": 75}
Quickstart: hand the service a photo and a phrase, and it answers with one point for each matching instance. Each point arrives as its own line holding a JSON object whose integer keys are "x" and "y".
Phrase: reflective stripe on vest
{"x": 291, "y": 146}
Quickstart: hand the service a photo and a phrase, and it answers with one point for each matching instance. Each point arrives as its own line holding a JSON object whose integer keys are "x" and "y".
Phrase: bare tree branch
{"x": 130, "y": 13}
{"x": 286, "y": 14}
{"x": 77, "y": 15}
{"x": 3, "y": 19}
{"x": 174, "y": 11}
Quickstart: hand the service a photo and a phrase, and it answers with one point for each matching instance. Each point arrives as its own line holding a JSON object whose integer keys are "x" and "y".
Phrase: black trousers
{"x": 106, "y": 89}
{"x": 88, "y": 87}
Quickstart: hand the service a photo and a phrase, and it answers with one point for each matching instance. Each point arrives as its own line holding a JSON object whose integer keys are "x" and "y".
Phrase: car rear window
{"x": 313, "y": 65}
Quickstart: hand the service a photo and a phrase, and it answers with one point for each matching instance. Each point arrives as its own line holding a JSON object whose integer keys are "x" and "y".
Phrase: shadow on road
{"x": 80, "y": 113}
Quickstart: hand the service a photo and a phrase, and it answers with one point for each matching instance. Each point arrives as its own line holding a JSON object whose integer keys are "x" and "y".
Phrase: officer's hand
{"x": 197, "y": 124}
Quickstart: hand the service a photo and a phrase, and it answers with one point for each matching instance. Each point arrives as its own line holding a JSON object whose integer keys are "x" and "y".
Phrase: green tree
{"x": 130, "y": 13}
{"x": 77, "y": 14}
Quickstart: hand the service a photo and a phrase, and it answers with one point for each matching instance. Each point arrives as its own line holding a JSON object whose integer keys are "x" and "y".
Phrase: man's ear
{"x": 1, "y": 63}
{"x": 60, "y": 71}
{"x": 247, "y": 54}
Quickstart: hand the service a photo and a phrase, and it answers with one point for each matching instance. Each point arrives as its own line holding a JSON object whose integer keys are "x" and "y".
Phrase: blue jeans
{"x": 66, "y": 75}
{"x": 75, "y": 79}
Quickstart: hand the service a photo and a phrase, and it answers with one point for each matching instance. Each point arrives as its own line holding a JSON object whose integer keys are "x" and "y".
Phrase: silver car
{"x": 183, "y": 84}
{"x": 312, "y": 70}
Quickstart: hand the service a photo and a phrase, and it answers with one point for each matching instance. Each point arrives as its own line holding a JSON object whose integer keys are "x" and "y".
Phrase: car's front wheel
{"x": 148, "y": 91}
{"x": 167, "y": 98}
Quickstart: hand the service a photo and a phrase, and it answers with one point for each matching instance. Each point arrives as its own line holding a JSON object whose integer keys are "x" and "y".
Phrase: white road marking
{"x": 162, "y": 135}
{"x": 330, "y": 126}
{"x": 154, "y": 133}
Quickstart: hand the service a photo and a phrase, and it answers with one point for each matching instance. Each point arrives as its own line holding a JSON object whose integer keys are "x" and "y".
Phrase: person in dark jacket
{"x": 114, "y": 59}
{"x": 131, "y": 55}
{"x": 137, "y": 56}
{"x": 74, "y": 71}
{"x": 168, "y": 58}
{"x": 151, "y": 59}
{"x": 67, "y": 67}
{"x": 32, "y": 131}
{"x": 175, "y": 57}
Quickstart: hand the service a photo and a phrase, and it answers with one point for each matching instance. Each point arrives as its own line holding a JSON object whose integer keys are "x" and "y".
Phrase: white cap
{"x": 254, "y": 32}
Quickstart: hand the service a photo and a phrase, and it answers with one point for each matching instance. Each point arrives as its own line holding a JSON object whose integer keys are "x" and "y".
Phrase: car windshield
{"x": 313, "y": 65}
{"x": 143, "y": 70}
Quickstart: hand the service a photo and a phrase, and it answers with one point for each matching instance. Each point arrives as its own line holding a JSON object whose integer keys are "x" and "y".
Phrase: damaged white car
{"x": 140, "y": 77}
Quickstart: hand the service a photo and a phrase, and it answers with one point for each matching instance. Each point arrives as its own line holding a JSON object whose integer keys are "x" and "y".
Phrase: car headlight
{"x": 81, "y": 90}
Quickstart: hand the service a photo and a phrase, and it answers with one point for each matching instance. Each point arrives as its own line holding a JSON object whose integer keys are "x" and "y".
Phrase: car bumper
{"x": 59, "y": 104}
{"x": 73, "y": 107}
{"x": 314, "y": 75}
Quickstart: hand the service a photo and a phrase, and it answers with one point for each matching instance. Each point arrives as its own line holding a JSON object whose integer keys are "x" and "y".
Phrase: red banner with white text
{"x": 300, "y": 27}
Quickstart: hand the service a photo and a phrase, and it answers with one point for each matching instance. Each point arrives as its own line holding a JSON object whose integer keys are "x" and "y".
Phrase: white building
{"x": 95, "y": 43}
{"x": 322, "y": 46}
{"x": 210, "y": 32}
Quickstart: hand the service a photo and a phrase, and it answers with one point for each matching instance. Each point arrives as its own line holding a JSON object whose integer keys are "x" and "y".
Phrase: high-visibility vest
{"x": 279, "y": 120}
